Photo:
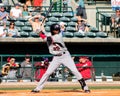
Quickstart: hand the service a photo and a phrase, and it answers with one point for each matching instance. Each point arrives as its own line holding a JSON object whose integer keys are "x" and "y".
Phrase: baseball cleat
{"x": 87, "y": 91}
{"x": 35, "y": 91}
{"x": 0, "y": 80}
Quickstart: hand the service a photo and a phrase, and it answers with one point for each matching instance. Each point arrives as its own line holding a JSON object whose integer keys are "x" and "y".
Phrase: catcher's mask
{"x": 54, "y": 27}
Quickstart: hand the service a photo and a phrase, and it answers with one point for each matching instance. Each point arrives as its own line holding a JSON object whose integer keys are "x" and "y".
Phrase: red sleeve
{"x": 79, "y": 67}
{"x": 89, "y": 63}
{"x": 42, "y": 35}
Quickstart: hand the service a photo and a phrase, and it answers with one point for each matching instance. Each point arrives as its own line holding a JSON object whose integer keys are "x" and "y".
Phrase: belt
{"x": 60, "y": 54}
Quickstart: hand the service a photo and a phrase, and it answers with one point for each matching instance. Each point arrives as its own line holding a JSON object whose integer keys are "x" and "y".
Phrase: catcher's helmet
{"x": 54, "y": 27}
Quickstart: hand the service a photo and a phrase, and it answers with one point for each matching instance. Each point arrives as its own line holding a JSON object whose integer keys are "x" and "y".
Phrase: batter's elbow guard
{"x": 19, "y": 66}
{"x": 49, "y": 40}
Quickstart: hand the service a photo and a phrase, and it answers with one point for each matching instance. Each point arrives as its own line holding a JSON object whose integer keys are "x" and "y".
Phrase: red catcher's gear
{"x": 85, "y": 71}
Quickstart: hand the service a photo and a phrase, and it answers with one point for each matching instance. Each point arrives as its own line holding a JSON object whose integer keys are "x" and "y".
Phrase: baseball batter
{"x": 60, "y": 56}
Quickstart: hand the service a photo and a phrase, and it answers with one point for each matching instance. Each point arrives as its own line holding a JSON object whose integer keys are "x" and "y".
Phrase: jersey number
{"x": 56, "y": 48}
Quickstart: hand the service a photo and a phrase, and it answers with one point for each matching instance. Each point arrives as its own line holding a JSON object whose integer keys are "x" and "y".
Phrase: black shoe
{"x": 87, "y": 91}
{"x": 0, "y": 80}
{"x": 35, "y": 91}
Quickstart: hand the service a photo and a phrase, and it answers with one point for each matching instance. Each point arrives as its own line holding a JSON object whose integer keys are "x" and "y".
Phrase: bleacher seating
{"x": 24, "y": 34}
{"x": 33, "y": 34}
{"x": 25, "y": 28}
{"x": 65, "y": 19}
{"x": 19, "y": 24}
{"x": 70, "y": 29}
{"x": 90, "y": 34}
{"x": 68, "y": 34}
{"x": 53, "y": 19}
{"x": 47, "y": 28}
{"x": 102, "y": 34}
{"x": 79, "y": 34}
{"x": 72, "y": 24}
{"x": 57, "y": 15}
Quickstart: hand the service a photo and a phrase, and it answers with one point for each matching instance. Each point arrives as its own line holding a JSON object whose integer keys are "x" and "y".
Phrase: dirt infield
{"x": 60, "y": 93}
{"x": 60, "y": 89}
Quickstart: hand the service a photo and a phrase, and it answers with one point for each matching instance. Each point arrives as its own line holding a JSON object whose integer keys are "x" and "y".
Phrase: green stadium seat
{"x": 65, "y": 19}
{"x": 22, "y": 19}
{"x": 28, "y": 24}
{"x": 90, "y": 34}
{"x": 12, "y": 19}
{"x": 57, "y": 15}
{"x": 49, "y": 15}
{"x": 54, "y": 19}
{"x": 47, "y": 28}
{"x": 74, "y": 19}
{"x": 26, "y": 28}
{"x": 102, "y": 34}
{"x": 34, "y": 13}
{"x": 79, "y": 34}
{"x": 93, "y": 29}
{"x": 49, "y": 23}
{"x": 68, "y": 34}
{"x": 24, "y": 34}
{"x": 7, "y": 23}
{"x": 19, "y": 24}
{"x": 33, "y": 34}
{"x": 72, "y": 24}
{"x": 69, "y": 15}
{"x": 71, "y": 29}
{"x": 19, "y": 29}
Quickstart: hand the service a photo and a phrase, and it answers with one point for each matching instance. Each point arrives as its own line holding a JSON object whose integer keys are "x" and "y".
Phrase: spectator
{"x": 12, "y": 31}
{"x": 3, "y": 30}
{"x": 38, "y": 3}
{"x": 11, "y": 2}
{"x": 41, "y": 68}
{"x": 26, "y": 68}
{"x": 84, "y": 67}
{"x": 37, "y": 24}
{"x": 81, "y": 26}
{"x": 81, "y": 10}
{"x": 16, "y": 12}
{"x": 10, "y": 68}
{"x": 3, "y": 14}
{"x": 25, "y": 12}
{"x": 28, "y": 3}
{"x": 115, "y": 19}
{"x": 65, "y": 5}
{"x": 62, "y": 27}
{"x": 115, "y": 4}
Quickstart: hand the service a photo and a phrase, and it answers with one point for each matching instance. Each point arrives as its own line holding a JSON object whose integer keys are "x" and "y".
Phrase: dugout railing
{"x": 105, "y": 67}
{"x": 103, "y": 15}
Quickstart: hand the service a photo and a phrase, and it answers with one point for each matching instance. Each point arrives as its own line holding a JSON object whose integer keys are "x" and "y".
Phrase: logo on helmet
{"x": 54, "y": 27}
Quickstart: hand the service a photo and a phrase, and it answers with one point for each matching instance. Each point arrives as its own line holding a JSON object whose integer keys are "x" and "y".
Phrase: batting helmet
{"x": 54, "y": 27}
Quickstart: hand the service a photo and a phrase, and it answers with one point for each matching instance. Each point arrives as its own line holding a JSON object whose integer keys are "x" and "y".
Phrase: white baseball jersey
{"x": 56, "y": 45}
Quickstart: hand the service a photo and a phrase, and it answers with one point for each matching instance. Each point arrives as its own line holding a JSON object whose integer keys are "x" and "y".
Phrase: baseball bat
{"x": 49, "y": 10}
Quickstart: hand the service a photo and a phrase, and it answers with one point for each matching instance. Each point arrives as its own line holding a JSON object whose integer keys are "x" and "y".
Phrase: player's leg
{"x": 1, "y": 77}
{"x": 51, "y": 68}
{"x": 68, "y": 62}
